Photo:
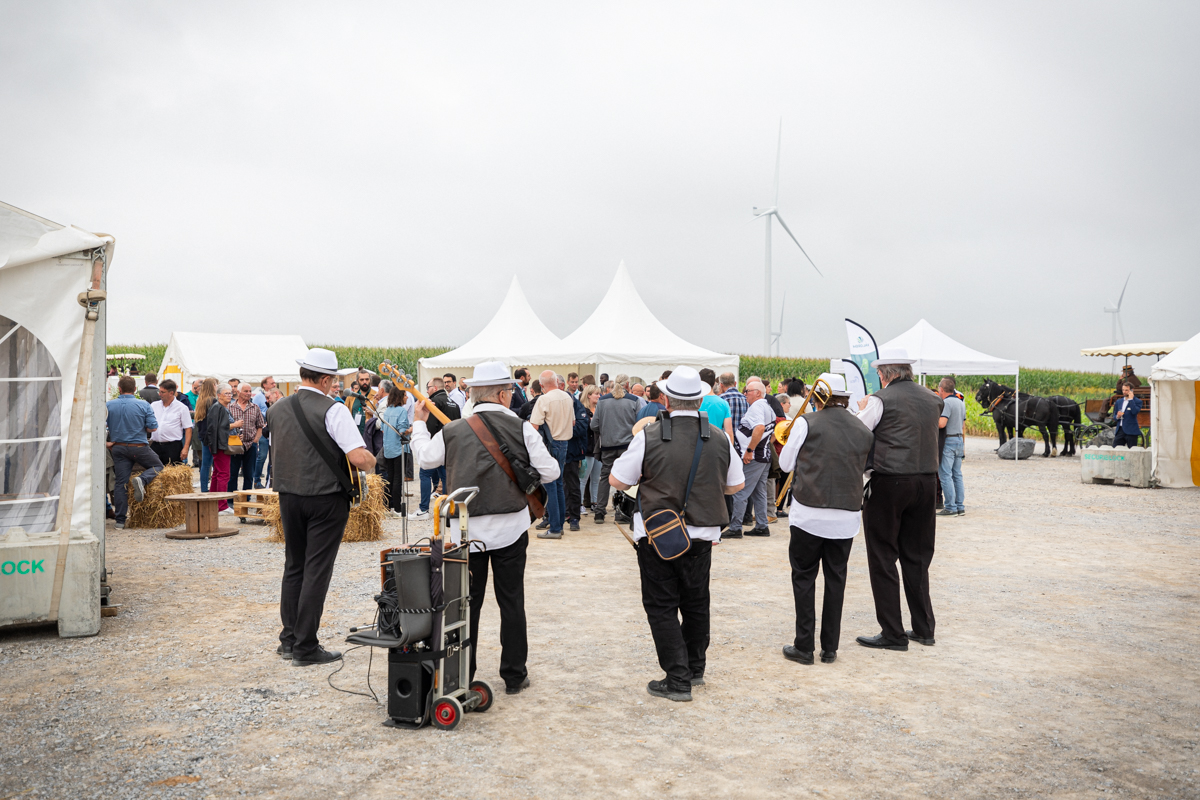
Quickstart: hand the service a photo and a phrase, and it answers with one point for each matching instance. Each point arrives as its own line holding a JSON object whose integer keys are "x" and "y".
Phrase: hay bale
{"x": 155, "y": 511}
{"x": 365, "y": 523}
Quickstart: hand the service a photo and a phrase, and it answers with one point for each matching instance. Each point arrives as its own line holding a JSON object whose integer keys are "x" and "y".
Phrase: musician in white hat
{"x": 898, "y": 513}
{"x": 312, "y": 438}
{"x": 827, "y": 449}
{"x": 505, "y": 457}
{"x": 661, "y": 458}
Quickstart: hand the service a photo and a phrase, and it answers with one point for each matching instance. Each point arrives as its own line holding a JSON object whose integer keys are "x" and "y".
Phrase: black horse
{"x": 1036, "y": 412}
{"x": 1069, "y": 416}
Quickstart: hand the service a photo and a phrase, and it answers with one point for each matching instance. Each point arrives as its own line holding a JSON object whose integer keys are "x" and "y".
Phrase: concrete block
{"x": 27, "y": 581}
{"x": 1107, "y": 464}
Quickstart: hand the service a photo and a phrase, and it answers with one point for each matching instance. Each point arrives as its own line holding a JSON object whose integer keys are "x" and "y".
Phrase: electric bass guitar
{"x": 358, "y": 485}
{"x": 398, "y": 376}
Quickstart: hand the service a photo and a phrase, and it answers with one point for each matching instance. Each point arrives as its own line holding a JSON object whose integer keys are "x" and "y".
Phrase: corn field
{"x": 348, "y": 356}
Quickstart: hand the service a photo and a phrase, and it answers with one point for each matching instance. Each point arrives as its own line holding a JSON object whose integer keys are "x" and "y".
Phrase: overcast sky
{"x": 376, "y": 173}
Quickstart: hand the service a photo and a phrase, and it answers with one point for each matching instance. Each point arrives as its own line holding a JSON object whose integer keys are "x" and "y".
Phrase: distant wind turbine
{"x": 776, "y": 335}
{"x": 1115, "y": 310}
{"x": 767, "y": 214}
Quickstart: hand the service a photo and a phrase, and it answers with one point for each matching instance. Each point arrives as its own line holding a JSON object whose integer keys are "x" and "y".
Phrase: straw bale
{"x": 365, "y": 523}
{"x": 155, "y": 511}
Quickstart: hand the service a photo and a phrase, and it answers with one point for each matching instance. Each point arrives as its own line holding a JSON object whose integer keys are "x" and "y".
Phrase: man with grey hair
{"x": 753, "y": 439}
{"x": 898, "y": 513}
{"x": 659, "y": 460}
{"x": 613, "y": 423}
{"x": 556, "y": 410}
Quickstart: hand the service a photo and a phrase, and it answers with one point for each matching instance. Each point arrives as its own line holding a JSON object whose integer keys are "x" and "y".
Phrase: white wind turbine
{"x": 776, "y": 335}
{"x": 1115, "y": 310}
{"x": 767, "y": 214}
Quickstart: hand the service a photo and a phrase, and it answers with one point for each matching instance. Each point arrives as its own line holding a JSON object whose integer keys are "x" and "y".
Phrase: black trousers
{"x": 312, "y": 533}
{"x": 393, "y": 492}
{"x": 808, "y": 553}
{"x": 899, "y": 523}
{"x": 572, "y": 490}
{"x": 1123, "y": 438}
{"x": 508, "y": 580}
{"x": 125, "y": 457}
{"x": 168, "y": 452}
{"x": 607, "y": 459}
{"x": 674, "y": 589}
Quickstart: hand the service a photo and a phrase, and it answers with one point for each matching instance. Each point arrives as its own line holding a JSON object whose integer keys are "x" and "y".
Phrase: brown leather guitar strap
{"x": 493, "y": 448}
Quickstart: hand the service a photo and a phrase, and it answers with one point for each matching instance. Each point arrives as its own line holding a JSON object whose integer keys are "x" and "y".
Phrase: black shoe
{"x": 828, "y": 656}
{"x": 697, "y": 680}
{"x": 661, "y": 689}
{"x": 545, "y": 523}
{"x": 574, "y": 524}
{"x": 517, "y": 687}
{"x": 598, "y": 518}
{"x": 945, "y": 512}
{"x": 928, "y": 642}
{"x": 322, "y": 656}
{"x": 962, "y": 513}
{"x": 799, "y": 656}
{"x": 759, "y": 532}
{"x": 880, "y": 642}
{"x": 284, "y": 650}
{"x": 728, "y": 534}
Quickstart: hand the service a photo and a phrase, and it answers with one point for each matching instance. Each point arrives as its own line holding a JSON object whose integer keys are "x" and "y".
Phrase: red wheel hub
{"x": 446, "y": 713}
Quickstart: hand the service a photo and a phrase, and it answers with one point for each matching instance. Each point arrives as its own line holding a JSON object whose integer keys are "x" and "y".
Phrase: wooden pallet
{"x": 250, "y": 505}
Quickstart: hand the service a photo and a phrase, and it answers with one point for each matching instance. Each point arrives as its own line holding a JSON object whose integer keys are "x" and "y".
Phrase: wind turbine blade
{"x": 797, "y": 241}
{"x": 1121, "y": 299}
{"x": 778, "y": 151}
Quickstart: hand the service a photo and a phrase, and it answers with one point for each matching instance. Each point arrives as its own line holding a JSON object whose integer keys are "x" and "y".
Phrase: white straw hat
{"x": 684, "y": 384}
{"x": 490, "y": 373}
{"x": 320, "y": 360}
{"x": 895, "y": 356}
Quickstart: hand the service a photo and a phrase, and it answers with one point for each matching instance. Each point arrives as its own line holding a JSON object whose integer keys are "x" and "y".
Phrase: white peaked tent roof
{"x": 514, "y": 332}
{"x": 1183, "y": 364}
{"x": 938, "y": 354}
{"x": 248, "y": 357}
{"x": 623, "y": 330}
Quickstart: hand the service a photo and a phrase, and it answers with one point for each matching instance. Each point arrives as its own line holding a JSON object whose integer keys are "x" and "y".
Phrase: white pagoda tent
{"x": 513, "y": 333}
{"x": 1175, "y": 416}
{"x": 624, "y": 336}
{"x": 245, "y": 356}
{"x": 938, "y": 354}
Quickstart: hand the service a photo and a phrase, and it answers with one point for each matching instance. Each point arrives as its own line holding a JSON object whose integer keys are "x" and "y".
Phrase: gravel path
{"x": 1064, "y": 667}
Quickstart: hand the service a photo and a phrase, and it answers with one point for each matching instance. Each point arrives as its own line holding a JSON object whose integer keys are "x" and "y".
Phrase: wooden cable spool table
{"x": 202, "y": 520}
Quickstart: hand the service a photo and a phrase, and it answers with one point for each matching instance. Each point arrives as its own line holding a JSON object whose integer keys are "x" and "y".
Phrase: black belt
{"x": 129, "y": 444}
{"x": 953, "y": 435}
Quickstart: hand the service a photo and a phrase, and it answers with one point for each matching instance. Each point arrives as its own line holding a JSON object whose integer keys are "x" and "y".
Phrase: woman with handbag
{"x": 396, "y": 428}
{"x": 219, "y": 429}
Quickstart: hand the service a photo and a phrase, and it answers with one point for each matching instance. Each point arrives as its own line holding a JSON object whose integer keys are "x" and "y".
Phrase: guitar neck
{"x": 407, "y": 383}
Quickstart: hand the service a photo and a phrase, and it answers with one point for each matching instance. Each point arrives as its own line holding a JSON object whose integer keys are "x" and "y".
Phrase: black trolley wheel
{"x": 485, "y": 695}
{"x": 447, "y": 713}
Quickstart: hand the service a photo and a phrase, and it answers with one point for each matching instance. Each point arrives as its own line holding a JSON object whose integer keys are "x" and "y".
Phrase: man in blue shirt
{"x": 129, "y": 421}
{"x": 653, "y": 406}
{"x": 1127, "y": 409}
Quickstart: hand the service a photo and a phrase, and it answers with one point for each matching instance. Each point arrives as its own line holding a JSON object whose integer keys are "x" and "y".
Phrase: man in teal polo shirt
{"x": 129, "y": 421}
{"x": 719, "y": 415}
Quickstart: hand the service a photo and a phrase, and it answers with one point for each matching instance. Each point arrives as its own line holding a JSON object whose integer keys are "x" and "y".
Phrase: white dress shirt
{"x": 458, "y": 397}
{"x": 828, "y": 523}
{"x": 871, "y": 415}
{"x": 628, "y": 470}
{"x": 339, "y": 424}
{"x": 493, "y": 530}
{"x": 172, "y": 420}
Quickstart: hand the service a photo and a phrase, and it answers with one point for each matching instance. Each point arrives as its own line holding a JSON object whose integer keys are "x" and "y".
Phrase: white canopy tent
{"x": 44, "y": 268}
{"x": 245, "y": 356}
{"x": 513, "y": 333}
{"x": 623, "y": 336}
{"x": 938, "y": 354}
{"x": 1175, "y": 416}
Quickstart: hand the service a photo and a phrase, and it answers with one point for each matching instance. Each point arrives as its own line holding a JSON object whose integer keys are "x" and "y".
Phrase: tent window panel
{"x": 30, "y": 471}
{"x": 23, "y": 356}
{"x": 30, "y": 409}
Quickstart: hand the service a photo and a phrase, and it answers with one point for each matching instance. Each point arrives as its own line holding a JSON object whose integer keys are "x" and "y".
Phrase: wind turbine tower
{"x": 767, "y": 214}
{"x": 1116, "y": 318}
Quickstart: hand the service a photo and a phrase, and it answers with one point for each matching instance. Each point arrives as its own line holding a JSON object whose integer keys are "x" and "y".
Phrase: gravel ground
{"x": 1064, "y": 667}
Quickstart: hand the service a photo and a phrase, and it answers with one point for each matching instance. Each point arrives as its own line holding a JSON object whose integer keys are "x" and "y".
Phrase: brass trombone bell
{"x": 817, "y": 396}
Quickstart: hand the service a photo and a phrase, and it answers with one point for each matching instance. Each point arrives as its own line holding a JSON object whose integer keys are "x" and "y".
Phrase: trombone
{"x": 818, "y": 398}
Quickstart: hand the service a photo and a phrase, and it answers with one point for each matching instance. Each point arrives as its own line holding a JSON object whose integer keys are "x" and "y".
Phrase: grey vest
{"x": 830, "y": 464}
{"x": 665, "y": 468}
{"x": 906, "y": 438}
{"x": 296, "y": 466}
{"x": 468, "y": 463}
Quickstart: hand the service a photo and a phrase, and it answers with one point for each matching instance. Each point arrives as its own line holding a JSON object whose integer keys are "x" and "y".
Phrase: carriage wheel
{"x": 447, "y": 712}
